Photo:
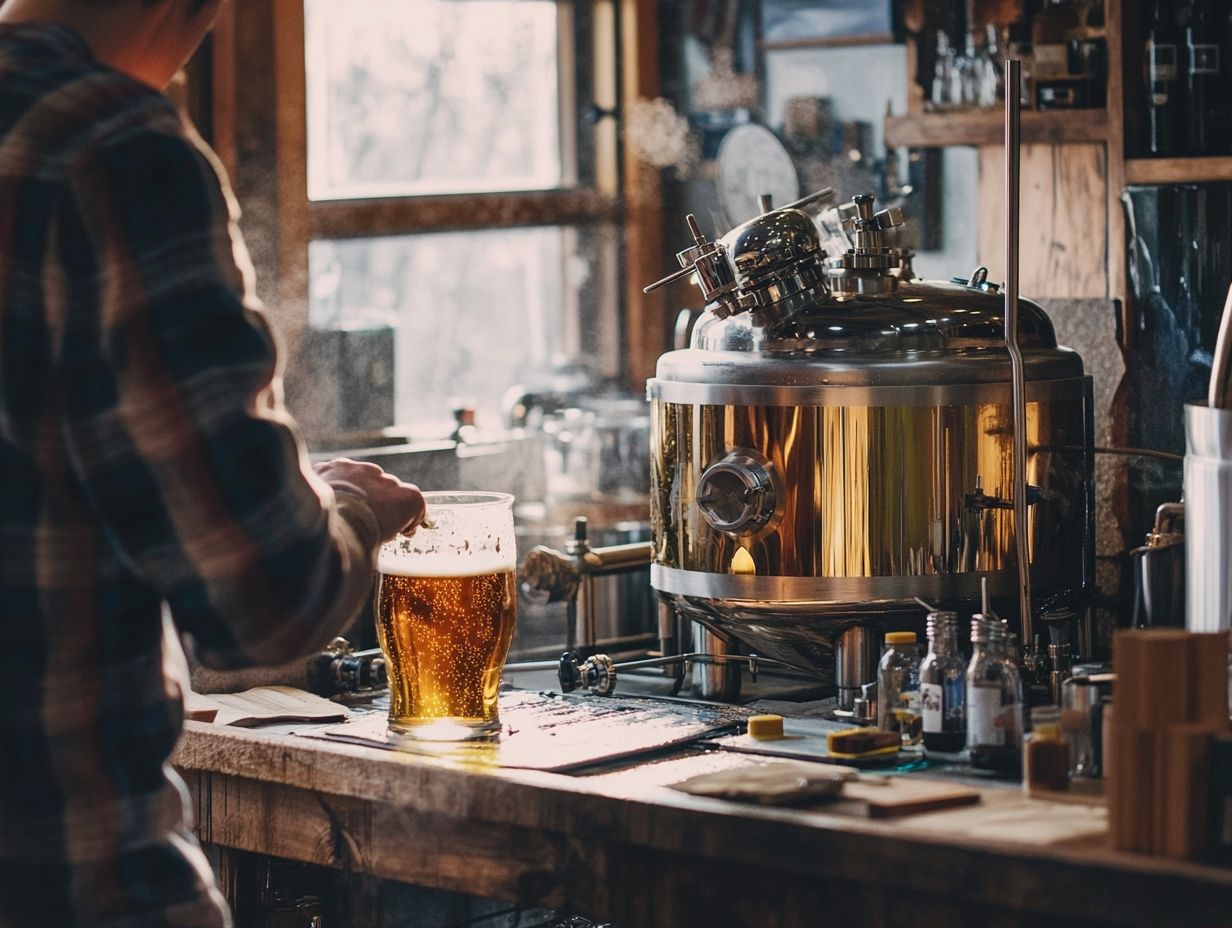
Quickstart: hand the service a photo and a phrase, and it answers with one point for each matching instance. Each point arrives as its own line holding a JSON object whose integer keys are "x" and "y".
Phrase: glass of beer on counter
{"x": 446, "y": 605}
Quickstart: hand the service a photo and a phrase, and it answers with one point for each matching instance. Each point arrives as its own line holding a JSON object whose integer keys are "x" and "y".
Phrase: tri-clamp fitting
{"x": 867, "y": 266}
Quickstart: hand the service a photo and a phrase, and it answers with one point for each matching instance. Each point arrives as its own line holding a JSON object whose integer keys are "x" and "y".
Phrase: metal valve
{"x": 864, "y": 220}
{"x": 867, "y": 265}
{"x": 341, "y": 669}
{"x": 596, "y": 674}
{"x": 756, "y": 264}
{"x": 708, "y": 260}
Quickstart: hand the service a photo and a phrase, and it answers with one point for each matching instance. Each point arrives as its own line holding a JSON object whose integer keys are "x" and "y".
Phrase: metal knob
{"x": 736, "y": 495}
{"x": 596, "y": 674}
{"x": 863, "y": 219}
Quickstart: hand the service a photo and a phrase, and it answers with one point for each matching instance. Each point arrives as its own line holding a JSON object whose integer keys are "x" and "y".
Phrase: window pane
{"x": 472, "y": 313}
{"x": 431, "y": 96}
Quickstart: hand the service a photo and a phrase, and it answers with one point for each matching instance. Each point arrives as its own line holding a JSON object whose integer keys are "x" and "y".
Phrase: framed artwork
{"x": 823, "y": 23}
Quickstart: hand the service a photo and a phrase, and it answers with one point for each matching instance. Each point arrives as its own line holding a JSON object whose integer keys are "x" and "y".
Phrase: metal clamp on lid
{"x": 978, "y": 281}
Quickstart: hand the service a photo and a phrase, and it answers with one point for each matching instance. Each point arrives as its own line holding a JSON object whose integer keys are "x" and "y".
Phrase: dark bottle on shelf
{"x": 1205, "y": 76}
{"x": 943, "y": 682}
{"x": 1162, "y": 84}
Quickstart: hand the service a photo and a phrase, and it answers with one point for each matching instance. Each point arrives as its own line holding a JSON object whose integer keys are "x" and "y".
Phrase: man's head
{"x": 147, "y": 39}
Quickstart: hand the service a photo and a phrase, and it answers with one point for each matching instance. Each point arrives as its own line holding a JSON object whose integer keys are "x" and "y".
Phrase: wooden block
{"x": 1125, "y": 664}
{"x": 1208, "y": 679}
{"x": 1151, "y": 666}
{"x": 907, "y": 796}
{"x": 1131, "y": 789}
{"x": 1165, "y": 671}
{"x": 1185, "y": 791}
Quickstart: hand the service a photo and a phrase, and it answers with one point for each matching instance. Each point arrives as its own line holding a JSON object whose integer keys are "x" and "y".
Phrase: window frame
{"x": 256, "y": 113}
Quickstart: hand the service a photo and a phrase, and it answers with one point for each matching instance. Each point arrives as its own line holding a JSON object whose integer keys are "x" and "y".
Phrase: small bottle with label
{"x": 994, "y": 699}
{"x": 898, "y": 687}
{"x": 943, "y": 686}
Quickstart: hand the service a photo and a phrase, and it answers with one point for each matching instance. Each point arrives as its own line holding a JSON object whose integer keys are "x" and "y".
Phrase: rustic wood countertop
{"x": 621, "y": 845}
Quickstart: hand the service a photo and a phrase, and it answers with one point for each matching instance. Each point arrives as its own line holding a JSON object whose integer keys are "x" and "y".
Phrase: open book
{"x": 262, "y": 705}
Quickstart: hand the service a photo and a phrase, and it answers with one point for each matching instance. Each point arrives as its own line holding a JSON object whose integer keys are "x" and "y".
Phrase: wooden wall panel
{"x": 1064, "y": 228}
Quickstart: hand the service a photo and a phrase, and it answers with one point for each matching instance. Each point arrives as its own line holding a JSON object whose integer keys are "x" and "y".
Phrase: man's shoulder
{"x": 57, "y": 116}
{"x": 117, "y": 112}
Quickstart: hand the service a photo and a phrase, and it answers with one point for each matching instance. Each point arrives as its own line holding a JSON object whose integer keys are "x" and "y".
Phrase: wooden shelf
{"x": 986, "y": 127}
{"x": 1177, "y": 170}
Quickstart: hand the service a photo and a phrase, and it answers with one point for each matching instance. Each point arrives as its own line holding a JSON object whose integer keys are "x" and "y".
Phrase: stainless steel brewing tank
{"x": 835, "y": 454}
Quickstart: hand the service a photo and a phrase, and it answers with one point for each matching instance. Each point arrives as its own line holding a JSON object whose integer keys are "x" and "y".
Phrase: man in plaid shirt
{"x": 146, "y": 460}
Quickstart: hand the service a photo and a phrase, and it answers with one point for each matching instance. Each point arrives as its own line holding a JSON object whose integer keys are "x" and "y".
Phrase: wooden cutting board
{"x": 890, "y": 797}
{"x": 842, "y": 791}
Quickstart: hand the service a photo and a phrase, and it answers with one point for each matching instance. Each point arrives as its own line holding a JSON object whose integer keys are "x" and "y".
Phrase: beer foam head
{"x": 465, "y": 534}
{"x": 446, "y": 565}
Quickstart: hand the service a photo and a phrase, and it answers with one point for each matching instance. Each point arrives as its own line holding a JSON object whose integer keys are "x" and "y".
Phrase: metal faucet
{"x": 550, "y": 576}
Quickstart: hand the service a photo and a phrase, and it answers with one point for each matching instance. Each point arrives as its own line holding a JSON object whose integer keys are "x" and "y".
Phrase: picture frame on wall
{"x": 828, "y": 23}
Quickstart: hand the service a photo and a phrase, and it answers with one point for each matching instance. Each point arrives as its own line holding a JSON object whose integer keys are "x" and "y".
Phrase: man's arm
{"x": 174, "y": 421}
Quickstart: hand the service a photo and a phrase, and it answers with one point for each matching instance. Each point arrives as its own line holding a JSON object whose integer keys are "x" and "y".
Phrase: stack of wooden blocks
{"x": 1170, "y": 701}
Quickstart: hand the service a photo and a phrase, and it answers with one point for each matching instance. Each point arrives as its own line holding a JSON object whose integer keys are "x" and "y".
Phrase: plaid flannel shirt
{"x": 145, "y": 459}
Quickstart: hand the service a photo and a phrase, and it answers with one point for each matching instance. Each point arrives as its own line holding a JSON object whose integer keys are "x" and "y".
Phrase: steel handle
{"x": 670, "y": 278}
{"x": 822, "y": 194}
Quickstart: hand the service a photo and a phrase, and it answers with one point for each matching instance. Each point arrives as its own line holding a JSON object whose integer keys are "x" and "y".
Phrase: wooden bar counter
{"x": 621, "y": 846}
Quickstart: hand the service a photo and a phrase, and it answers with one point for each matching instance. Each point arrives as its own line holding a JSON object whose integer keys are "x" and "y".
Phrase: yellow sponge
{"x": 766, "y": 727}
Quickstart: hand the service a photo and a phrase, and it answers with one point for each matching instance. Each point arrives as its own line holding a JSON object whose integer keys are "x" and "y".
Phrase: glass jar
{"x": 898, "y": 687}
{"x": 943, "y": 687}
{"x": 1046, "y": 755}
{"x": 994, "y": 700}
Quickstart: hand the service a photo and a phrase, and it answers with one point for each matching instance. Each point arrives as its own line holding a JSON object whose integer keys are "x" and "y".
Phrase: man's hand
{"x": 398, "y": 506}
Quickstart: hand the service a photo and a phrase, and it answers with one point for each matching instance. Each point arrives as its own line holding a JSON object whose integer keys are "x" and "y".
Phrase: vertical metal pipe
{"x": 1018, "y": 374}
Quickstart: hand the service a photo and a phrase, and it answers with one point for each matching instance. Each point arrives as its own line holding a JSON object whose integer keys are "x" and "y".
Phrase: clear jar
{"x": 994, "y": 700}
{"x": 898, "y": 687}
{"x": 943, "y": 687}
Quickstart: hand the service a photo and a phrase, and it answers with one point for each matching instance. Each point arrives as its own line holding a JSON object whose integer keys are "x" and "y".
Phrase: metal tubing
{"x": 618, "y": 559}
{"x": 1013, "y": 142}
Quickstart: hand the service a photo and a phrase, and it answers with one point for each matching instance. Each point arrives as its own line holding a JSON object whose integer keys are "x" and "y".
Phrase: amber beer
{"x": 445, "y": 638}
{"x": 446, "y": 605}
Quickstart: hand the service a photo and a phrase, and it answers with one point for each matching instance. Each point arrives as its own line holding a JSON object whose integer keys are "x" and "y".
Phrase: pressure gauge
{"x": 752, "y": 162}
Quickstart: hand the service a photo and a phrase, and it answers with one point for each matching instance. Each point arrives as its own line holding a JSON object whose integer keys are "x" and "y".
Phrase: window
{"x": 414, "y": 97}
{"x": 471, "y": 312}
{"x": 433, "y": 216}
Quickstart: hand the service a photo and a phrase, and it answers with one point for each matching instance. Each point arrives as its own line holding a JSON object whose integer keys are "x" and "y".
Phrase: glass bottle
{"x": 943, "y": 683}
{"x": 994, "y": 699}
{"x": 1162, "y": 91}
{"x": 943, "y": 69}
{"x": 968, "y": 74}
{"x": 991, "y": 80}
{"x": 898, "y": 687}
{"x": 1204, "y": 87}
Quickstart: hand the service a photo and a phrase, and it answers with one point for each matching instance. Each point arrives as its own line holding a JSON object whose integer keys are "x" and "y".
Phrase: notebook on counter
{"x": 261, "y": 705}
{"x": 558, "y": 733}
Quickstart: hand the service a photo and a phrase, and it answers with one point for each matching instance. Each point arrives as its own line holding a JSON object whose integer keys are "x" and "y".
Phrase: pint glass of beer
{"x": 446, "y": 604}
